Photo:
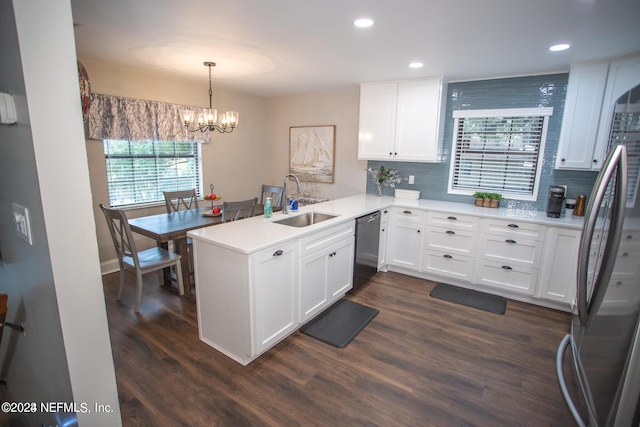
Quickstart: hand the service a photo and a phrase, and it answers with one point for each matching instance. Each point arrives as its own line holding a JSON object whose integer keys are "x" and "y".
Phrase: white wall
{"x": 54, "y": 286}
{"x": 328, "y": 108}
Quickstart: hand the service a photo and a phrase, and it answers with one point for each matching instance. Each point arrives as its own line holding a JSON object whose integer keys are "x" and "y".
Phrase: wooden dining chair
{"x": 182, "y": 199}
{"x": 275, "y": 193}
{"x": 185, "y": 198}
{"x": 242, "y": 209}
{"x": 139, "y": 263}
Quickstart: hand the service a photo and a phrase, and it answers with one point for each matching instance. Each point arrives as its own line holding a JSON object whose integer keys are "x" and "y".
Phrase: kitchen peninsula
{"x": 258, "y": 280}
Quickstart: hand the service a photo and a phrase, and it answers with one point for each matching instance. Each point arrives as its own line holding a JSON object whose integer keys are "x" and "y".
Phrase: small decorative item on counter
{"x": 495, "y": 199}
{"x": 268, "y": 208}
{"x": 487, "y": 200}
{"x": 479, "y": 196}
{"x": 384, "y": 177}
{"x": 293, "y": 205}
{"x": 581, "y": 202}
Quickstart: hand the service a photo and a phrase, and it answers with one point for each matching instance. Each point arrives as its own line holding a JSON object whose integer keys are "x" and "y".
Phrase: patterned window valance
{"x": 129, "y": 119}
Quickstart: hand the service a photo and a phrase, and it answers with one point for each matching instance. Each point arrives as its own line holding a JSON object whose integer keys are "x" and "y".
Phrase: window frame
{"x": 160, "y": 200}
{"x": 543, "y": 112}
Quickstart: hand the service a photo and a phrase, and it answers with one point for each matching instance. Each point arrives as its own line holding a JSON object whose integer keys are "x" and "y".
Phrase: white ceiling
{"x": 283, "y": 47}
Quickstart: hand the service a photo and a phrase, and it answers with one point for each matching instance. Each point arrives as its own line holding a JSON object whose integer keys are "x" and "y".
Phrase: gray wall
{"x": 54, "y": 286}
{"x": 518, "y": 92}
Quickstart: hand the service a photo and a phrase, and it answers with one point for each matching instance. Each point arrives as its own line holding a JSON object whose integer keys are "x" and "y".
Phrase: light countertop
{"x": 257, "y": 233}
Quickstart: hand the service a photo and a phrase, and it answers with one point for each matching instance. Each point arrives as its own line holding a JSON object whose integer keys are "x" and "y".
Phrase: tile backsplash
{"x": 549, "y": 90}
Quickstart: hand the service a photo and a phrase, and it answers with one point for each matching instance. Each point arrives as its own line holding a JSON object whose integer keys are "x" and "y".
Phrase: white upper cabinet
{"x": 581, "y": 115}
{"x": 591, "y": 96}
{"x": 401, "y": 120}
{"x": 624, "y": 75}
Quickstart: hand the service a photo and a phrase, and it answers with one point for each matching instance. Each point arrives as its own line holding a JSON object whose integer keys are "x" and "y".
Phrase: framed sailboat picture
{"x": 311, "y": 152}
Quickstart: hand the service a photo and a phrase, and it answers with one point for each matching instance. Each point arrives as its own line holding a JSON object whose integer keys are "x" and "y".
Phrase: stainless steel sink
{"x": 305, "y": 219}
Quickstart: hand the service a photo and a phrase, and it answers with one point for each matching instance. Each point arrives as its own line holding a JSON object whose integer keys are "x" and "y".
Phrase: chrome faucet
{"x": 285, "y": 208}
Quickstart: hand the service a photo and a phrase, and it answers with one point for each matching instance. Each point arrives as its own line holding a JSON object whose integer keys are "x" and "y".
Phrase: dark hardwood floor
{"x": 420, "y": 362}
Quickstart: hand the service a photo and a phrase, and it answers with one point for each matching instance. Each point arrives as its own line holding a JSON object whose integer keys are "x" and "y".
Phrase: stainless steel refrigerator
{"x": 598, "y": 362}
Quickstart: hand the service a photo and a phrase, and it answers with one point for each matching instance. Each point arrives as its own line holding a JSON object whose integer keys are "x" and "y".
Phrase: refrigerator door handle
{"x": 563, "y": 384}
{"x": 616, "y": 161}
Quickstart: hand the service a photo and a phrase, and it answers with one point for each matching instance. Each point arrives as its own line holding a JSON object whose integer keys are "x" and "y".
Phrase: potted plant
{"x": 495, "y": 199}
{"x": 479, "y": 196}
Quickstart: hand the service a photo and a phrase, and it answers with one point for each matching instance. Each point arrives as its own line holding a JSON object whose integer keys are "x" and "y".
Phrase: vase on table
{"x": 378, "y": 189}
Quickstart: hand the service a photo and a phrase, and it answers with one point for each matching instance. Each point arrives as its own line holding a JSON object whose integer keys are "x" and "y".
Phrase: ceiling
{"x": 285, "y": 47}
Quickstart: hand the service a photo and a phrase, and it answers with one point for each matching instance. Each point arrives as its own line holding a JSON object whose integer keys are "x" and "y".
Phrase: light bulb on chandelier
{"x": 209, "y": 120}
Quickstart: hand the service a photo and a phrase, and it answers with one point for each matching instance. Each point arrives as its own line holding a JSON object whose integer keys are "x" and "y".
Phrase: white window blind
{"x": 138, "y": 172}
{"x": 498, "y": 151}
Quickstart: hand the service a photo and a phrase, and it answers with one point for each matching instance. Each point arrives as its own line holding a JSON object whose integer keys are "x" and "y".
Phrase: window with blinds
{"x": 498, "y": 151}
{"x": 138, "y": 172}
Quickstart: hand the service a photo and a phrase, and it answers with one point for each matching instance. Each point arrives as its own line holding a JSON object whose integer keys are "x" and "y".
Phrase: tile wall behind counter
{"x": 518, "y": 92}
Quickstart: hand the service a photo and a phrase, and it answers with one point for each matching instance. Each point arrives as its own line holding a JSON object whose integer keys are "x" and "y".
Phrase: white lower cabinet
{"x": 274, "y": 293}
{"x": 325, "y": 276}
{"x": 559, "y": 267}
{"x": 448, "y": 264}
{"x": 405, "y": 238}
{"x": 247, "y": 303}
{"x": 511, "y": 278}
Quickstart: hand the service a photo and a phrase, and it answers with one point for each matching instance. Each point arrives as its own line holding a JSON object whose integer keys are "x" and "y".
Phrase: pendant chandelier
{"x": 209, "y": 120}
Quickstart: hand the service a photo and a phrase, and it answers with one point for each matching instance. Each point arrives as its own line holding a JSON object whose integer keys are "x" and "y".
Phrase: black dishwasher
{"x": 366, "y": 250}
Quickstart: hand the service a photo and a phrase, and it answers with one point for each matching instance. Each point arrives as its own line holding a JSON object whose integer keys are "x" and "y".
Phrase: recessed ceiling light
{"x": 559, "y": 47}
{"x": 363, "y": 22}
{"x": 416, "y": 65}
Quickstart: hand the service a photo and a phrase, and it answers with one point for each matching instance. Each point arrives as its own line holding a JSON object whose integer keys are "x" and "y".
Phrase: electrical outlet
{"x": 21, "y": 221}
{"x": 411, "y": 179}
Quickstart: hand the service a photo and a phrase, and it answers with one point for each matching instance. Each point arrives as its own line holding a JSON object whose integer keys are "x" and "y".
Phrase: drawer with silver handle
{"x": 452, "y": 221}
{"x": 513, "y": 229}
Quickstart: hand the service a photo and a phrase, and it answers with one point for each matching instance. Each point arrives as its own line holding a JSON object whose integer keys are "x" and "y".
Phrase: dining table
{"x": 167, "y": 227}
{"x": 173, "y": 226}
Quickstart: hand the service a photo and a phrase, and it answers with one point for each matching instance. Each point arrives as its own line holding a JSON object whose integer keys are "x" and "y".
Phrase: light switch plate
{"x": 411, "y": 179}
{"x": 21, "y": 221}
{"x": 7, "y": 109}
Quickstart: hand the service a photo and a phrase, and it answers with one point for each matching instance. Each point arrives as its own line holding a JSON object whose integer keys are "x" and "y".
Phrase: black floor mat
{"x": 340, "y": 324}
{"x": 487, "y": 302}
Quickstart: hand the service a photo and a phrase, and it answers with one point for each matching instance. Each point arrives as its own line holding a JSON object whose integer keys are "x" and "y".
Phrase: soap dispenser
{"x": 268, "y": 208}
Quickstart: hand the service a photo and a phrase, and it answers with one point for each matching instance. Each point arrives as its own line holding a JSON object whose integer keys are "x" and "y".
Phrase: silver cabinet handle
{"x": 452, "y": 218}
{"x": 447, "y": 256}
{"x": 278, "y": 252}
{"x": 450, "y": 232}
{"x": 510, "y": 241}
{"x": 563, "y": 384}
{"x": 506, "y": 267}
{"x": 513, "y": 225}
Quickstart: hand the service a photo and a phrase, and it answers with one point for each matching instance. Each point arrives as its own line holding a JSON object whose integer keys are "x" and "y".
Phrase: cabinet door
{"x": 274, "y": 296}
{"x": 418, "y": 120}
{"x": 324, "y": 277}
{"x": 624, "y": 75}
{"x": 405, "y": 242}
{"x": 559, "y": 265}
{"x": 314, "y": 295}
{"x": 378, "y": 103}
{"x": 581, "y": 115}
{"x": 340, "y": 278}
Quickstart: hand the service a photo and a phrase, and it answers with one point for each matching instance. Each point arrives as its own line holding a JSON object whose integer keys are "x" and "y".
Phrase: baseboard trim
{"x": 110, "y": 266}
